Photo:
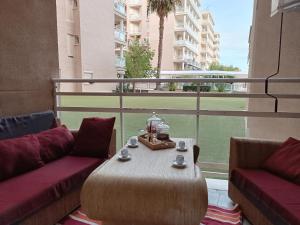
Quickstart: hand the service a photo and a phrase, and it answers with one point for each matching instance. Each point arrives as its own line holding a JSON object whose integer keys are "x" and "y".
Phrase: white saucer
{"x": 182, "y": 149}
{"x": 181, "y": 166}
{"x": 121, "y": 158}
{"x": 132, "y": 146}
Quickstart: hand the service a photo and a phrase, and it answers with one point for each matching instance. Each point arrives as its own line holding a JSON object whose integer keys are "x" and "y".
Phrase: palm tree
{"x": 162, "y": 9}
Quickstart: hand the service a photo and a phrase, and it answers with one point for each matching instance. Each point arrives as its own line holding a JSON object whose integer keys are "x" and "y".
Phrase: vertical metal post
{"x": 198, "y": 114}
{"x": 56, "y": 99}
{"x": 121, "y": 112}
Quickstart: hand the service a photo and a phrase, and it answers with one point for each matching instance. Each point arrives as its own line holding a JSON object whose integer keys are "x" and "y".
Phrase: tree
{"x": 217, "y": 66}
{"x": 138, "y": 60}
{"x": 162, "y": 9}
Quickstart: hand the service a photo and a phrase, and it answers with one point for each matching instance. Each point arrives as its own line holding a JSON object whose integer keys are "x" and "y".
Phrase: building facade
{"x": 182, "y": 47}
{"x": 91, "y": 40}
{"x": 264, "y": 55}
{"x": 210, "y": 41}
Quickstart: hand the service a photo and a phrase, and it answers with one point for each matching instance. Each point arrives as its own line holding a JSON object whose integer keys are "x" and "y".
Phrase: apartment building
{"x": 91, "y": 40}
{"x": 181, "y": 35}
{"x": 120, "y": 34}
{"x": 210, "y": 41}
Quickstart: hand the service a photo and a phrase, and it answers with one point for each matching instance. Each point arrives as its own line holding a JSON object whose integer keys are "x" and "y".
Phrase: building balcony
{"x": 119, "y": 7}
{"x": 120, "y": 36}
{"x": 187, "y": 44}
{"x": 134, "y": 3}
{"x": 120, "y": 62}
{"x": 181, "y": 27}
{"x": 135, "y": 17}
{"x": 135, "y": 32}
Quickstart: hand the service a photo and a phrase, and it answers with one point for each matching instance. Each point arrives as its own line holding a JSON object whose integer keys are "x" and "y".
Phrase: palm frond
{"x": 161, "y": 7}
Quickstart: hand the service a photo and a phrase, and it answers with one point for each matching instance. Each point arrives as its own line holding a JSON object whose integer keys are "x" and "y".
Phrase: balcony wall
{"x": 263, "y": 62}
{"x": 28, "y": 55}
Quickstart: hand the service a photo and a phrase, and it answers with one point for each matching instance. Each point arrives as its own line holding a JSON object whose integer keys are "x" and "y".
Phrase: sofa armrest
{"x": 112, "y": 144}
{"x": 250, "y": 153}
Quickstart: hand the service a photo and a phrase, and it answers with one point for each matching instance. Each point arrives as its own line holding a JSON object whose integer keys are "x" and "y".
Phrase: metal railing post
{"x": 121, "y": 112}
{"x": 56, "y": 99}
{"x": 198, "y": 114}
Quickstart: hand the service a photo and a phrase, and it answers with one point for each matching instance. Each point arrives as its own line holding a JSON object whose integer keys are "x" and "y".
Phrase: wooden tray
{"x": 158, "y": 145}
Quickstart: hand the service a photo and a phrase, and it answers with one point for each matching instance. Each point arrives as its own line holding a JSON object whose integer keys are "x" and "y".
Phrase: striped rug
{"x": 215, "y": 216}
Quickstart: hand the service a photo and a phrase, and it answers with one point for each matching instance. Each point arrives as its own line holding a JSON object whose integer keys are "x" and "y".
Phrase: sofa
{"x": 265, "y": 198}
{"x": 44, "y": 195}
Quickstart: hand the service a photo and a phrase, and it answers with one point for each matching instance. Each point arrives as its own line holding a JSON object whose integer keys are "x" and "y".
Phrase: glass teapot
{"x": 163, "y": 131}
{"x": 152, "y": 123}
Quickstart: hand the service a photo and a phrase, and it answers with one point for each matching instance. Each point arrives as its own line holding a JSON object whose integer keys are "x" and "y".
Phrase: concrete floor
{"x": 218, "y": 194}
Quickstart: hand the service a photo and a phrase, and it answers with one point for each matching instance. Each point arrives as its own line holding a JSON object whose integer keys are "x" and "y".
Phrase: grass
{"x": 215, "y": 131}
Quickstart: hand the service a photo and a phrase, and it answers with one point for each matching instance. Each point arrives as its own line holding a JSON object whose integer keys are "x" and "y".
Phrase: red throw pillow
{"x": 55, "y": 143}
{"x": 19, "y": 155}
{"x": 286, "y": 160}
{"x": 94, "y": 137}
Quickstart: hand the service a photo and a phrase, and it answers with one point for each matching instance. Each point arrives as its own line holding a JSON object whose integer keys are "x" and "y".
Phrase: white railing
{"x": 120, "y": 7}
{"x": 120, "y": 62}
{"x": 135, "y": 16}
{"x": 193, "y": 47}
{"x": 197, "y": 111}
{"x": 120, "y": 35}
{"x": 134, "y": 2}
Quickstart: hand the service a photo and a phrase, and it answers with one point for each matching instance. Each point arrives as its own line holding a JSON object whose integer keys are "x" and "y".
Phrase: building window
{"x": 75, "y": 4}
{"x": 76, "y": 40}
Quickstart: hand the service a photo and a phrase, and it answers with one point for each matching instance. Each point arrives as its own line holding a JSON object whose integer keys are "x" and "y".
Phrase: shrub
{"x": 172, "y": 86}
{"x": 220, "y": 87}
{"x": 203, "y": 88}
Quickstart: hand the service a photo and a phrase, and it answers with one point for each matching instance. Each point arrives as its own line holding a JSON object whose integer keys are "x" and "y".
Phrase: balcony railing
{"x": 120, "y": 35}
{"x": 188, "y": 44}
{"x": 195, "y": 111}
{"x": 135, "y": 2}
{"x": 120, "y": 7}
{"x": 120, "y": 62}
{"x": 135, "y": 17}
{"x": 185, "y": 27}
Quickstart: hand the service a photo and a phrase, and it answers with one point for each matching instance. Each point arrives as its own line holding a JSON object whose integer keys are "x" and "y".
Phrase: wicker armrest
{"x": 250, "y": 153}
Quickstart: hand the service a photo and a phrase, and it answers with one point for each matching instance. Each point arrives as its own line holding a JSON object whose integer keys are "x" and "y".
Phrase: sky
{"x": 233, "y": 19}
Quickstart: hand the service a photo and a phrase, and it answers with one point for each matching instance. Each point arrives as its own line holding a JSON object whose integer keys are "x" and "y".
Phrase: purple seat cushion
{"x": 277, "y": 198}
{"x": 22, "y": 195}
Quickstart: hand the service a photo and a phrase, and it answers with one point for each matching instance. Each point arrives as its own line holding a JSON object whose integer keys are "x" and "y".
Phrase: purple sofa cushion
{"x": 19, "y": 155}
{"x": 94, "y": 137}
{"x": 285, "y": 162}
{"x": 277, "y": 198}
{"x": 55, "y": 143}
{"x": 20, "y": 196}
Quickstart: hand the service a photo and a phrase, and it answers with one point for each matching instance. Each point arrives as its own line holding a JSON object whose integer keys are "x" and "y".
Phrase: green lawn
{"x": 215, "y": 131}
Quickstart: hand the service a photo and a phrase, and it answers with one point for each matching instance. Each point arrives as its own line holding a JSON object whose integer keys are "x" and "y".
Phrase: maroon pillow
{"x": 94, "y": 137}
{"x": 55, "y": 143}
{"x": 19, "y": 155}
{"x": 286, "y": 161}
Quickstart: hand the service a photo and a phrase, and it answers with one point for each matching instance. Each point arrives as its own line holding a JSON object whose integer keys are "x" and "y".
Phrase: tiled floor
{"x": 218, "y": 194}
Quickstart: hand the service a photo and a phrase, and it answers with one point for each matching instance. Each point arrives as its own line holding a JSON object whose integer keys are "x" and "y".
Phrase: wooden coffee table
{"x": 146, "y": 190}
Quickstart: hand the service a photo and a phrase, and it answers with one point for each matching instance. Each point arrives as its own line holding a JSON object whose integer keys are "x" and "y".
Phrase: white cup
{"x": 133, "y": 141}
{"x": 124, "y": 152}
{"x": 180, "y": 159}
{"x": 181, "y": 144}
